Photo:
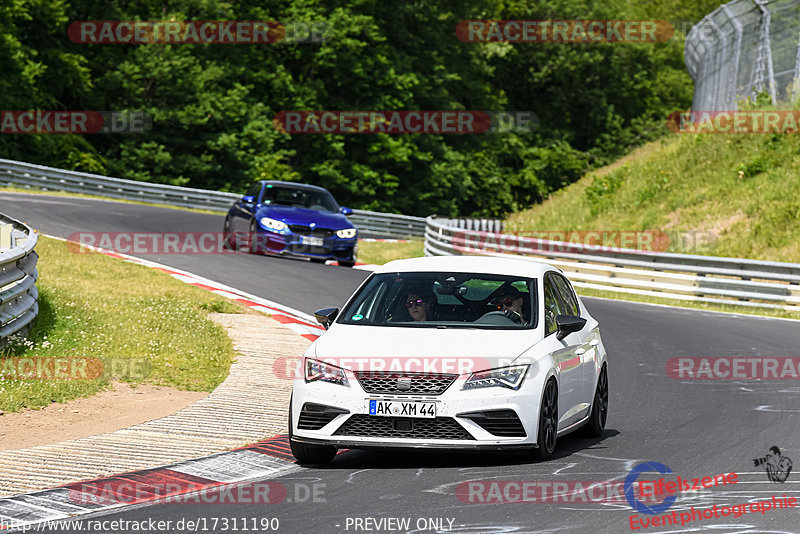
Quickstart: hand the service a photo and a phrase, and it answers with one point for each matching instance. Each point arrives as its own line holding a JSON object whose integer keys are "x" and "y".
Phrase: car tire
{"x": 226, "y": 232}
{"x": 251, "y": 243}
{"x": 548, "y": 422}
{"x": 599, "y": 415}
{"x": 309, "y": 454}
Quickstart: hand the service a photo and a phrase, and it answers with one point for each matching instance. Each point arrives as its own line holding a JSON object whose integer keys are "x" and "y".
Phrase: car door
{"x": 567, "y": 361}
{"x": 587, "y": 341}
{"x": 242, "y": 212}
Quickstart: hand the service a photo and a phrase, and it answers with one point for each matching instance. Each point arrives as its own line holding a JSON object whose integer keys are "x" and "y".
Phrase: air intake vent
{"x": 371, "y": 426}
{"x": 503, "y": 423}
{"x": 315, "y": 416}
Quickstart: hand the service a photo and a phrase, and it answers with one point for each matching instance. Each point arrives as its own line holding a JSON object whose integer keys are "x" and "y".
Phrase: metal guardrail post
{"x": 5, "y": 236}
{"x": 369, "y": 223}
{"x": 735, "y": 281}
{"x": 19, "y": 305}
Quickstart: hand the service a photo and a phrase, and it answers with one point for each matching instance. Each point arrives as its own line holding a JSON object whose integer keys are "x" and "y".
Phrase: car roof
{"x": 508, "y": 265}
{"x": 295, "y": 185}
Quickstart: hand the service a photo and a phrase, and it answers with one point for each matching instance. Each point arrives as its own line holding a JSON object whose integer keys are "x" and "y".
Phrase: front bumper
{"x": 297, "y": 243}
{"x": 455, "y": 427}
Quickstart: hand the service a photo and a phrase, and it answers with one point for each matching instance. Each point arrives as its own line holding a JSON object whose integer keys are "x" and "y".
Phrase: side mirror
{"x": 326, "y": 316}
{"x": 248, "y": 199}
{"x": 346, "y": 211}
{"x": 568, "y": 324}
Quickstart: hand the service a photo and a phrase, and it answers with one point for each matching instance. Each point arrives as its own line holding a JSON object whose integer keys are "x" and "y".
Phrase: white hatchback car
{"x": 460, "y": 352}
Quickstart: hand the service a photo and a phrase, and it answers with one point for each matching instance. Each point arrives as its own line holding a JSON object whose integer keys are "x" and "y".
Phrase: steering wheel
{"x": 510, "y": 315}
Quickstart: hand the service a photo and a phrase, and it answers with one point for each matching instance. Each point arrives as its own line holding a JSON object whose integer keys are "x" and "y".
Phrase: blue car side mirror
{"x": 346, "y": 211}
{"x": 248, "y": 199}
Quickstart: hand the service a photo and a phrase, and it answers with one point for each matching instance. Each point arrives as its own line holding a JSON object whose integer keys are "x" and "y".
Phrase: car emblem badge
{"x": 403, "y": 384}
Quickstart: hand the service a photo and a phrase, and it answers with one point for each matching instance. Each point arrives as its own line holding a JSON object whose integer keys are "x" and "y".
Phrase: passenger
{"x": 510, "y": 302}
{"x": 418, "y": 306}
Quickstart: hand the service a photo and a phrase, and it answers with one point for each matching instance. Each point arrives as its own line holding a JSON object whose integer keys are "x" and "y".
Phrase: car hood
{"x": 303, "y": 216}
{"x": 429, "y": 349}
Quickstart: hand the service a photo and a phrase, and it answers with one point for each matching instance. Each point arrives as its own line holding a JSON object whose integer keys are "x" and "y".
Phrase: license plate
{"x": 395, "y": 408}
{"x": 313, "y": 241}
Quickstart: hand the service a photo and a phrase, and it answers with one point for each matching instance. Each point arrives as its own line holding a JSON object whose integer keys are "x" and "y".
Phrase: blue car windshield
{"x": 449, "y": 300}
{"x": 299, "y": 198}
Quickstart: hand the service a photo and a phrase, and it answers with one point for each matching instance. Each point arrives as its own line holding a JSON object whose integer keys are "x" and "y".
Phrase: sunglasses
{"x": 415, "y": 302}
{"x": 504, "y": 302}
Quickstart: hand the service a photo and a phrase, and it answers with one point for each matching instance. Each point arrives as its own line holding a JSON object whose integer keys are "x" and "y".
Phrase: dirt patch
{"x": 117, "y": 408}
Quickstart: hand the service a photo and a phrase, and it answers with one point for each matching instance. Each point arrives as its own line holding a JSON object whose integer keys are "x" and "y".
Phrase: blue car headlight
{"x": 347, "y": 233}
{"x": 324, "y": 372}
{"x": 505, "y": 377}
{"x": 272, "y": 224}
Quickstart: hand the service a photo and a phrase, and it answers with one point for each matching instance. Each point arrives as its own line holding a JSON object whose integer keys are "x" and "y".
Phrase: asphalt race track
{"x": 697, "y": 428}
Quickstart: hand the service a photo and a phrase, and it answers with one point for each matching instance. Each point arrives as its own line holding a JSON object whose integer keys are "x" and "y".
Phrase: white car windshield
{"x": 437, "y": 299}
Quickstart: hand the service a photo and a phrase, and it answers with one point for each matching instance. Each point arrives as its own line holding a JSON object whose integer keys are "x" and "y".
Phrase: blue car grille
{"x": 300, "y": 229}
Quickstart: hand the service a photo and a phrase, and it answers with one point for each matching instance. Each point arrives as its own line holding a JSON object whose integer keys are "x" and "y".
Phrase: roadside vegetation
{"x": 743, "y": 189}
{"x": 212, "y": 106}
{"x": 143, "y": 325}
{"x": 380, "y": 252}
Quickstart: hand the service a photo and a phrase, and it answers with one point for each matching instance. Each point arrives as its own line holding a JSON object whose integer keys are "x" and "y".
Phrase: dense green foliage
{"x": 212, "y": 104}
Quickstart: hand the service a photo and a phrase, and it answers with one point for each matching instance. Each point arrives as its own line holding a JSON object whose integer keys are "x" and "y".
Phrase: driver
{"x": 509, "y": 301}
{"x": 418, "y": 305}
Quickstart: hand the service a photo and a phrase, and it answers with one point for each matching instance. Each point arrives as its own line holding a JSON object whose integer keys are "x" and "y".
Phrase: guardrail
{"x": 369, "y": 223}
{"x": 18, "y": 274}
{"x": 734, "y": 281}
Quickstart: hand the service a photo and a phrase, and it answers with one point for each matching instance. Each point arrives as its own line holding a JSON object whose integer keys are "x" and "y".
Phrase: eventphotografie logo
{"x": 634, "y": 501}
{"x": 777, "y": 466}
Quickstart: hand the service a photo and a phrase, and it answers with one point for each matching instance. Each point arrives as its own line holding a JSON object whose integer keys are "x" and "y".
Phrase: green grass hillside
{"x": 743, "y": 188}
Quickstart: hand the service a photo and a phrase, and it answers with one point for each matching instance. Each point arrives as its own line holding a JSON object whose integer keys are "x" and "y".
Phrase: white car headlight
{"x": 505, "y": 377}
{"x": 347, "y": 233}
{"x": 272, "y": 224}
{"x": 324, "y": 372}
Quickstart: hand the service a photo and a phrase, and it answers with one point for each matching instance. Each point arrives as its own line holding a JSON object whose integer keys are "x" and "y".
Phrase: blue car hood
{"x": 294, "y": 215}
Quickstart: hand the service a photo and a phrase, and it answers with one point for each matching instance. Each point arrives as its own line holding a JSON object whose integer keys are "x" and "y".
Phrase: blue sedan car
{"x": 284, "y": 217}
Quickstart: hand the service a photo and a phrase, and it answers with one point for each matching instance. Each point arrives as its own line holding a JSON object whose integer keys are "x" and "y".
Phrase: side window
{"x": 552, "y": 307}
{"x": 567, "y": 295}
